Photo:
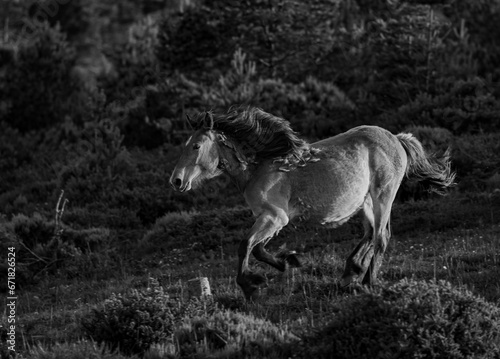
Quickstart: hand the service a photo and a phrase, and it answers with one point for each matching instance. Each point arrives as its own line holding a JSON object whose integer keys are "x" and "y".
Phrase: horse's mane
{"x": 259, "y": 135}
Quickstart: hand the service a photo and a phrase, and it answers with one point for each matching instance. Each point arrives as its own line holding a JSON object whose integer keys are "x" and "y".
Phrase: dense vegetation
{"x": 92, "y": 103}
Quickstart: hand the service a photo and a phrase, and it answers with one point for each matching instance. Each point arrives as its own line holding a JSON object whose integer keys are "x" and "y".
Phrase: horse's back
{"x": 378, "y": 146}
{"x": 371, "y": 136}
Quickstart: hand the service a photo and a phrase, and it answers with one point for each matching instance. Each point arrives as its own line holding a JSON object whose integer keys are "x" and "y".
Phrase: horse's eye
{"x": 196, "y": 146}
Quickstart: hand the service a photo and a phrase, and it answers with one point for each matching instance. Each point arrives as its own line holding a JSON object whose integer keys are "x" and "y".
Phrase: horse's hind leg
{"x": 358, "y": 262}
{"x": 382, "y": 207}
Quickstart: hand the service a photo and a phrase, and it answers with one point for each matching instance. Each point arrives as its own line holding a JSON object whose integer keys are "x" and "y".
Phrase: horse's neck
{"x": 237, "y": 166}
{"x": 241, "y": 178}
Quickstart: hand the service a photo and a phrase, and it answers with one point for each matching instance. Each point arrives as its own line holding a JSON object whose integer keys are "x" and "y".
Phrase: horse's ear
{"x": 208, "y": 121}
{"x": 189, "y": 121}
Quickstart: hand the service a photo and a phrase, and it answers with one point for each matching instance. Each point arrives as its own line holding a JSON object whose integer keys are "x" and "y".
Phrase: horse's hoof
{"x": 347, "y": 280}
{"x": 250, "y": 283}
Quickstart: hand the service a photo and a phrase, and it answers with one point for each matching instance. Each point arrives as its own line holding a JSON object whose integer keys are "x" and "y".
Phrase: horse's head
{"x": 199, "y": 159}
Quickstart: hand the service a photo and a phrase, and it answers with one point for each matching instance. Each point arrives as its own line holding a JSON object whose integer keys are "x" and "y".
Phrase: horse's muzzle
{"x": 178, "y": 184}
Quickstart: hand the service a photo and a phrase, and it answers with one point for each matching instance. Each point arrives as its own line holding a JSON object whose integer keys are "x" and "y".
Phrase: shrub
{"x": 443, "y": 213}
{"x": 82, "y": 349}
{"x": 43, "y": 248}
{"x": 134, "y": 321}
{"x": 43, "y": 97}
{"x": 75, "y": 18}
{"x": 136, "y": 65}
{"x": 234, "y": 335}
{"x": 460, "y": 106}
{"x": 475, "y": 32}
{"x": 476, "y": 159}
{"x": 434, "y": 139}
{"x": 410, "y": 319}
{"x": 15, "y": 151}
{"x": 200, "y": 231}
{"x": 287, "y": 39}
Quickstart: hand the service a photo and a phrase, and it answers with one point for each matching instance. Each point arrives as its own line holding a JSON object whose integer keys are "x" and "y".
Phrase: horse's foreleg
{"x": 265, "y": 227}
{"x": 280, "y": 261}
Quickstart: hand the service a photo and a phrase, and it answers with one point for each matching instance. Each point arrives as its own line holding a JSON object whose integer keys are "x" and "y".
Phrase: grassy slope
{"x": 457, "y": 246}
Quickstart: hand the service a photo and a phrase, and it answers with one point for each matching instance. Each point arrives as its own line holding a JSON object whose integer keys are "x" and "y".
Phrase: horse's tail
{"x": 434, "y": 172}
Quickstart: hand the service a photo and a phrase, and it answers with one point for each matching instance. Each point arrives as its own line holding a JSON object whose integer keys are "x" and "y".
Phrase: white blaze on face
{"x": 189, "y": 141}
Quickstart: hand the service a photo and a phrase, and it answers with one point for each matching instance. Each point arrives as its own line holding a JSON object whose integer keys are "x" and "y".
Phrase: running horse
{"x": 282, "y": 178}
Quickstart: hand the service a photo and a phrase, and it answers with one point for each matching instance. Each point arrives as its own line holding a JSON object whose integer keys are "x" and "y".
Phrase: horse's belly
{"x": 329, "y": 192}
{"x": 328, "y": 209}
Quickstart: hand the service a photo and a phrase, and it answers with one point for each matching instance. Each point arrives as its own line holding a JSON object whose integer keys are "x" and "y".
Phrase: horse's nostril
{"x": 177, "y": 182}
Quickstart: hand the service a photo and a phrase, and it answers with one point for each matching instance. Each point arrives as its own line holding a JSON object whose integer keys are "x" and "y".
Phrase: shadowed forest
{"x": 93, "y": 101}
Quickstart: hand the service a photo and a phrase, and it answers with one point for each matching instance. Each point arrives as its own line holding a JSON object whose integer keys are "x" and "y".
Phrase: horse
{"x": 284, "y": 178}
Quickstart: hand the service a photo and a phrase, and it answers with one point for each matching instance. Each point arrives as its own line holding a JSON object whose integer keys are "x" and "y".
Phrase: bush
{"x": 42, "y": 247}
{"x": 75, "y": 18}
{"x": 476, "y": 160}
{"x": 200, "y": 231}
{"x": 460, "y": 107}
{"x": 44, "y": 95}
{"x": 14, "y": 152}
{"x": 135, "y": 63}
{"x": 474, "y": 22}
{"x": 80, "y": 350}
{"x": 410, "y": 319}
{"x": 285, "y": 37}
{"x": 233, "y": 335}
{"x": 444, "y": 213}
{"x": 134, "y": 321}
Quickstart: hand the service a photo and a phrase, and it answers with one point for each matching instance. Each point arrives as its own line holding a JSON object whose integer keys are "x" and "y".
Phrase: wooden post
{"x": 199, "y": 287}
